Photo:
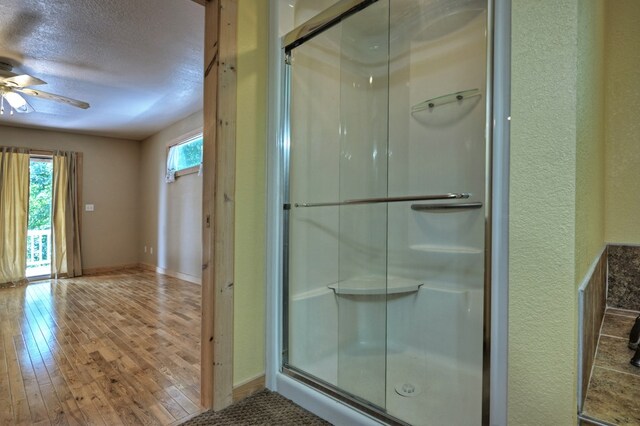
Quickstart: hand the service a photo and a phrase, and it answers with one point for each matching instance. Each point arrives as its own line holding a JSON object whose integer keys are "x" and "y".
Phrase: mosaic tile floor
{"x": 613, "y": 395}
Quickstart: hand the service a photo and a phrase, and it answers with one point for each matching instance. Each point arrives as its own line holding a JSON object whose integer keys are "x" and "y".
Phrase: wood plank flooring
{"x": 109, "y": 350}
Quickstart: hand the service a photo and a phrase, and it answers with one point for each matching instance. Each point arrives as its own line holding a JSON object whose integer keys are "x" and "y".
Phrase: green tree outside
{"x": 40, "y": 195}
{"x": 188, "y": 154}
{"x": 40, "y": 192}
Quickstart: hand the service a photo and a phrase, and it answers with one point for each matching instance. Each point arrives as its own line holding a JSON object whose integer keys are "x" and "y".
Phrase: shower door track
{"x": 342, "y": 396}
{"x": 323, "y": 21}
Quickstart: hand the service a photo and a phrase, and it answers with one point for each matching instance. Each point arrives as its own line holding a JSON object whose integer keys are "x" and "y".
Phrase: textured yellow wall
{"x": 557, "y": 197}
{"x": 622, "y": 105}
{"x": 542, "y": 295}
{"x": 249, "y": 289}
{"x": 590, "y": 147}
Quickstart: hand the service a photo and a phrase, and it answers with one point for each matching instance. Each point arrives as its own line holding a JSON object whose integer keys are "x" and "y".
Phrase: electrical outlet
{"x": 89, "y": 207}
{"x": 151, "y": 250}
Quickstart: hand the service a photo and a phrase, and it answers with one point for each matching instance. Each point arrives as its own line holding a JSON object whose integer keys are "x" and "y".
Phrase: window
{"x": 184, "y": 157}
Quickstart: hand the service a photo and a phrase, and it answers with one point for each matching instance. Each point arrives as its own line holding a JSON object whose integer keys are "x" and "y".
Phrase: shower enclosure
{"x": 386, "y": 148}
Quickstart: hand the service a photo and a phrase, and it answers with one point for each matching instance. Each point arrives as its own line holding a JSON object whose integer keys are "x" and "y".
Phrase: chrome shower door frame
{"x": 496, "y": 230}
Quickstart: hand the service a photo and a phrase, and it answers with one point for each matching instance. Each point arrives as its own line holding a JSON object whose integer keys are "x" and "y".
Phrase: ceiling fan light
{"x": 16, "y": 101}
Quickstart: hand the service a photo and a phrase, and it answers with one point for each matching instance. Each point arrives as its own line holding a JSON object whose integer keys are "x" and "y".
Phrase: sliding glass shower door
{"x": 385, "y": 148}
{"x": 339, "y": 81}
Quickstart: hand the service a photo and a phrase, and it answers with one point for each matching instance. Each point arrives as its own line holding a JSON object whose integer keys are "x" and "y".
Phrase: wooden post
{"x": 218, "y": 203}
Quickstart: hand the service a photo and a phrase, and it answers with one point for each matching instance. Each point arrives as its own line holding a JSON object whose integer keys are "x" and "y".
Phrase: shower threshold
{"x": 439, "y": 390}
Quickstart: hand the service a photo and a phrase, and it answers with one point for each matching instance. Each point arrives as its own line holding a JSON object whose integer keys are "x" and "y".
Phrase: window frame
{"x": 185, "y": 138}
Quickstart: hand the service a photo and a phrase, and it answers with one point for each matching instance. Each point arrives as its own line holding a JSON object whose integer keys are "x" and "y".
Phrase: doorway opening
{"x": 39, "y": 231}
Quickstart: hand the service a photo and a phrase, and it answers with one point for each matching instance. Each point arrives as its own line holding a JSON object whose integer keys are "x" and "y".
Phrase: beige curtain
{"x": 14, "y": 214}
{"x": 65, "y": 217}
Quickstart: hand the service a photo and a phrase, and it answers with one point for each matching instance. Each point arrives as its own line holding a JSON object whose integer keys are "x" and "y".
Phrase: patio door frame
{"x": 48, "y": 157}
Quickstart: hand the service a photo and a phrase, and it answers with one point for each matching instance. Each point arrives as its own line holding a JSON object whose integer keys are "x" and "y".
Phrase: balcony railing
{"x": 38, "y": 252}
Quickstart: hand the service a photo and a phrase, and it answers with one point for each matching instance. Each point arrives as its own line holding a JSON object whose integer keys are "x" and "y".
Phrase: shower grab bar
{"x": 449, "y": 196}
{"x": 432, "y": 207}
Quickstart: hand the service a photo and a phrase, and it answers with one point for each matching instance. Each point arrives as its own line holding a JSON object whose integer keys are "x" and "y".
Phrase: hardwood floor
{"x": 107, "y": 350}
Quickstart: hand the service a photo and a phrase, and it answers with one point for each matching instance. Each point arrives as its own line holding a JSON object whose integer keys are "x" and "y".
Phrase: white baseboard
{"x": 170, "y": 273}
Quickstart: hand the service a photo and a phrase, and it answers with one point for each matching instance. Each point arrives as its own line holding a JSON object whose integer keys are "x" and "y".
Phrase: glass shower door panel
{"x": 437, "y": 145}
{"x": 314, "y": 231}
{"x": 337, "y": 253}
{"x": 361, "y": 289}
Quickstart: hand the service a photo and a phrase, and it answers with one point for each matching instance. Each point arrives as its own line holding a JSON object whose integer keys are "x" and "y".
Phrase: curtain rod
{"x": 29, "y": 150}
{"x": 43, "y": 152}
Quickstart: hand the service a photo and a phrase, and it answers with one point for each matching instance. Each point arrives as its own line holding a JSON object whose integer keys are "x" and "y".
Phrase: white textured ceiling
{"x": 137, "y": 62}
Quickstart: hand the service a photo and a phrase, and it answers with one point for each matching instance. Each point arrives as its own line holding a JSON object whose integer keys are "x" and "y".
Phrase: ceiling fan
{"x": 14, "y": 86}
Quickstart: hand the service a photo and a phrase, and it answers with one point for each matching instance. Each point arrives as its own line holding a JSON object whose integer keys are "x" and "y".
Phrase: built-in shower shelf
{"x": 429, "y": 248}
{"x": 445, "y": 99}
{"x": 371, "y": 285}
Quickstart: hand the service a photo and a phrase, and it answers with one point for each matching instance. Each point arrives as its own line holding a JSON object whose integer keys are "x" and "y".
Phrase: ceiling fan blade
{"x": 52, "y": 97}
{"x": 22, "y": 81}
{"x": 17, "y": 102}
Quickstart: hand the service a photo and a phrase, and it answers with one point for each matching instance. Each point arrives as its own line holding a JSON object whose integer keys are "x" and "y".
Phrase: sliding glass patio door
{"x": 39, "y": 248}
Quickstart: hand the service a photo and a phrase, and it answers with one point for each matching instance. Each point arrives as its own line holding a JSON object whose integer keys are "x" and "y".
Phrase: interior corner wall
{"x": 622, "y": 121}
{"x": 590, "y": 143}
{"x": 110, "y": 182}
{"x": 542, "y": 294}
{"x": 170, "y": 214}
{"x": 250, "y": 202}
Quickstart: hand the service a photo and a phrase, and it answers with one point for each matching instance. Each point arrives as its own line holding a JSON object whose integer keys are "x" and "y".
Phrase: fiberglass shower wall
{"x": 385, "y": 299}
{"x": 435, "y": 337}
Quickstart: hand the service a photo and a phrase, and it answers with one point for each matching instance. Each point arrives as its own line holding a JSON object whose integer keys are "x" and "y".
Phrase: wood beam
{"x": 218, "y": 203}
